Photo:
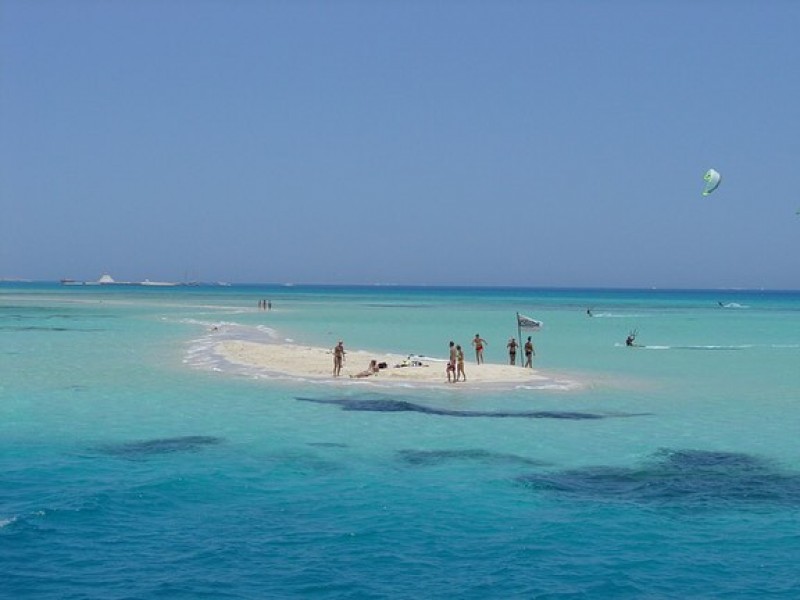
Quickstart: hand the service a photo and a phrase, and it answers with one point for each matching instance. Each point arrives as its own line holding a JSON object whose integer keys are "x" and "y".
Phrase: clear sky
{"x": 539, "y": 143}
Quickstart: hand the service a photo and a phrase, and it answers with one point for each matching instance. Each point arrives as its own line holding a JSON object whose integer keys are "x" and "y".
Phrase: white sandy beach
{"x": 317, "y": 363}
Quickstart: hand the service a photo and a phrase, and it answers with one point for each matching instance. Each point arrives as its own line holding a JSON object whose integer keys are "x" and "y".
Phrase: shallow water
{"x": 137, "y": 464}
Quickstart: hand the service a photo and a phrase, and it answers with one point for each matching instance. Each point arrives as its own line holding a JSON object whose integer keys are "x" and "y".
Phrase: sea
{"x": 137, "y": 463}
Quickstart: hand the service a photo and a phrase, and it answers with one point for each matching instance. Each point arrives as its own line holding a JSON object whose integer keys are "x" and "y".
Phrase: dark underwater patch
{"x": 40, "y": 328}
{"x": 187, "y": 443}
{"x": 692, "y": 478}
{"x": 435, "y": 457}
{"x": 391, "y": 405}
{"x": 28, "y": 311}
{"x": 30, "y": 328}
{"x": 327, "y": 445}
{"x": 391, "y": 305}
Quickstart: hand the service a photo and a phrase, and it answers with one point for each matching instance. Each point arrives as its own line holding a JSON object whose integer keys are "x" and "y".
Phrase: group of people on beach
{"x": 455, "y": 363}
{"x": 479, "y": 343}
{"x": 338, "y": 362}
{"x": 527, "y": 348}
{"x": 265, "y": 305}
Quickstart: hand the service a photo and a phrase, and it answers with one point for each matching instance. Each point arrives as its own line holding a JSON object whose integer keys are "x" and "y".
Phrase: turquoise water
{"x": 136, "y": 463}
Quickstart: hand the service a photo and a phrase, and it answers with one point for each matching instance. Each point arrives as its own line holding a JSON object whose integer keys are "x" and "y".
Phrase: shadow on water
{"x": 144, "y": 448}
{"x": 26, "y": 319}
{"x": 390, "y": 305}
{"x": 40, "y": 328}
{"x": 327, "y": 445}
{"x": 391, "y": 405}
{"x": 687, "y": 478}
{"x": 436, "y": 457}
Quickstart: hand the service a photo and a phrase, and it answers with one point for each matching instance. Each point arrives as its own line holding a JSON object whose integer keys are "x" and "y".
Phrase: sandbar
{"x": 309, "y": 362}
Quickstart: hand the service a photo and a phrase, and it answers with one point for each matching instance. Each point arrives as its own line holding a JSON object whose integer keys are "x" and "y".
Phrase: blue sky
{"x": 552, "y": 143}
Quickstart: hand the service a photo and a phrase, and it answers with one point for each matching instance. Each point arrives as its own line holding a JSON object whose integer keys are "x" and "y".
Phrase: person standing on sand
{"x": 338, "y": 358}
{"x": 512, "y": 351}
{"x": 479, "y": 343}
{"x": 460, "y": 364}
{"x": 529, "y": 353}
{"x": 451, "y": 363}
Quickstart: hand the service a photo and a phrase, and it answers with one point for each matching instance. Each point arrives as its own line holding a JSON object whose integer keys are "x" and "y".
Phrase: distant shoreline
{"x": 432, "y": 287}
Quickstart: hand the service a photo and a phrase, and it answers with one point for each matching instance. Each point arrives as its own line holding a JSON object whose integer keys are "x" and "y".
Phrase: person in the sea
{"x": 529, "y": 353}
{"x": 512, "y": 351}
{"x": 460, "y": 364}
{"x": 631, "y": 339}
{"x": 338, "y": 358}
{"x": 370, "y": 370}
{"x": 451, "y": 363}
{"x": 479, "y": 343}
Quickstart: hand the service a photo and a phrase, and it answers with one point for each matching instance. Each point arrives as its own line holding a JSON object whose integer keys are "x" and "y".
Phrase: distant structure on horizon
{"x": 106, "y": 279}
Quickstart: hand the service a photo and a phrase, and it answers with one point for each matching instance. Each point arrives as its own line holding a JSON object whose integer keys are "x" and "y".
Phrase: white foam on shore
{"x": 709, "y": 346}
{"x": 619, "y": 316}
{"x": 201, "y": 352}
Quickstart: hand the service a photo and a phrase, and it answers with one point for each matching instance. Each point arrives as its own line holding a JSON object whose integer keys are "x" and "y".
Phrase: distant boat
{"x": 105, "y": 279}
{"x": 158, "y": 283}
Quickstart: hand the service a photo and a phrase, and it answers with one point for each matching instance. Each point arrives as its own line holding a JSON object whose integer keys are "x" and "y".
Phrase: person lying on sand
{"x": 370, "y": 370}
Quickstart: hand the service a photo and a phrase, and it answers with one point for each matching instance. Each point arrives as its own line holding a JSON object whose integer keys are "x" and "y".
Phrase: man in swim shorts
{"x": 479, "y": 343}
